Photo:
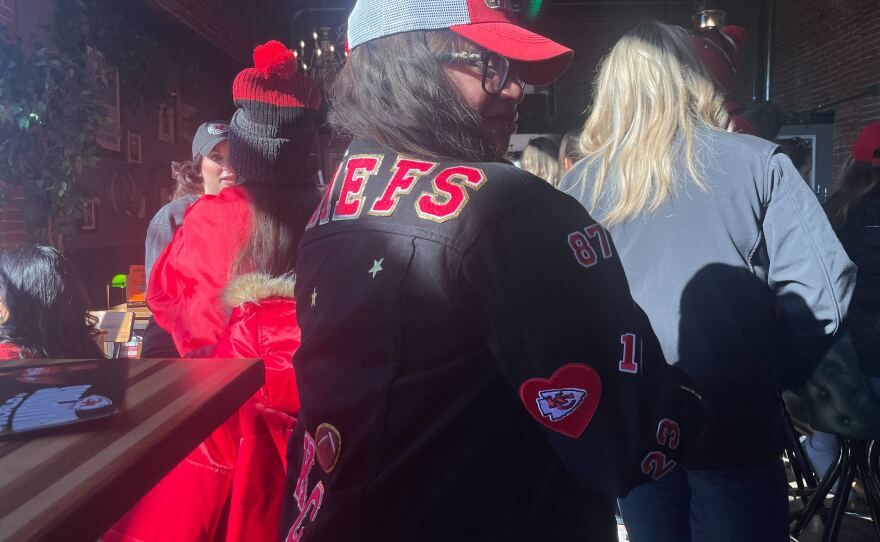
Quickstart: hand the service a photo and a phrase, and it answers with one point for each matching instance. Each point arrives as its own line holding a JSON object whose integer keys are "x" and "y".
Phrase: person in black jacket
{"x": 854, "y": 210}
{"x": 472, "y": 364}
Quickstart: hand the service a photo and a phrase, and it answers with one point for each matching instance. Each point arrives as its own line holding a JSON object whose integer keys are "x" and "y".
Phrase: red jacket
{"x": 189, "y": 276}
{"x": 9, "y": 351}
{"x": 229, "y": 488}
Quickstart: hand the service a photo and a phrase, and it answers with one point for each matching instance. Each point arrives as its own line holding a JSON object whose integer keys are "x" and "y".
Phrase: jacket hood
{"x": 253, "y": 287}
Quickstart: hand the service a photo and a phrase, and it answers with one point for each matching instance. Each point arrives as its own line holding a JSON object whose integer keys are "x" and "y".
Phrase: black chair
{"x": 838, "y": 400}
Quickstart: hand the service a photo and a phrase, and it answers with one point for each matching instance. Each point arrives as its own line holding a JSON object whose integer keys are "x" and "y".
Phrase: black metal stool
{"x": 855, "y": 456}
{"x": 837, "y": 400}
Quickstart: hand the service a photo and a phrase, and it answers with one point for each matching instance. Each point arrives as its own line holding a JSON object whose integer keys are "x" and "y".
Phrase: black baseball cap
{"x": 208, "y": 135}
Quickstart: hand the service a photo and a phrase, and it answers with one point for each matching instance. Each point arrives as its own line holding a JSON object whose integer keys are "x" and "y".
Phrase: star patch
{"x": 377, "y": 267}
{"x": 314, "y": 296}
{"x": 567, "y": 401}
{"x": 329, "y": 444}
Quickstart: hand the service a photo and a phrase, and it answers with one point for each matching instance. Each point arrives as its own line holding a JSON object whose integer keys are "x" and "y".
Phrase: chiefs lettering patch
{"x": 567, "y": 401}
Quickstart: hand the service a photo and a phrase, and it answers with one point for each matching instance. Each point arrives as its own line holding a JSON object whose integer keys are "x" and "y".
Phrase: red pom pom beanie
{"x": 271, "y": 136}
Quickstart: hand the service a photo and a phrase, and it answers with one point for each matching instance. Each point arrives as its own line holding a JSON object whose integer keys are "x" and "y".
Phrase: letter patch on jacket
{"x": 565, "y": 402}
{"x": 308, "y": 506}
{"x": 450, "y": 193}
{"x": 405, "y": 173}
{"x": 358, "y": 170}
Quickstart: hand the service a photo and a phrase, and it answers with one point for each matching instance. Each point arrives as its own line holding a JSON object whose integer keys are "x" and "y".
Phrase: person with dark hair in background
{"x": 541, "y": 159}
{"x": 854, "y": 210}
{"x": 224, "y": 289}
{"x": 208, "y": 172}
{"x": 715, "y": 231}
{"x": 569, "y": 151}
{"x": 472, "y": 364}
{"x": 43, "y": 307}
{"x": 799, "y": 152}
{"x": 765, "y": 118}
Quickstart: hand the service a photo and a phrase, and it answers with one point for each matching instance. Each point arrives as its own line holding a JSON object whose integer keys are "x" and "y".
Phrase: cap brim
{"x": 540, "y": 60}
{"x": 209, "y": 146}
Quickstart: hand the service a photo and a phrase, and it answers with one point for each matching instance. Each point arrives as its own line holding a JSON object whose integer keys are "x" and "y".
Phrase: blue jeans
{"x": 735, "y": 505}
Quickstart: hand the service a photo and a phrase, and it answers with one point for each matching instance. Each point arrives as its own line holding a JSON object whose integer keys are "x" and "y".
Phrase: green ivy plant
{"x": 49, "y": 115}
{"x": 50, "y": 109}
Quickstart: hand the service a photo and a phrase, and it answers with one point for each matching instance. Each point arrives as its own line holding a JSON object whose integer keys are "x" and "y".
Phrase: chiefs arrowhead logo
{"x": 567, "y": 401}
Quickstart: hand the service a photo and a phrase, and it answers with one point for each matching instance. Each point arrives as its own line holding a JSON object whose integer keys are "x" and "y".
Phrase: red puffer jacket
{"x": 229, "y": 488}
{"x": 188, "y": 278}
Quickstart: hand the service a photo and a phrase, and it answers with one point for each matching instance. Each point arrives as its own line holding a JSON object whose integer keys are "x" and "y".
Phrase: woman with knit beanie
{"x": 223, "y": 288}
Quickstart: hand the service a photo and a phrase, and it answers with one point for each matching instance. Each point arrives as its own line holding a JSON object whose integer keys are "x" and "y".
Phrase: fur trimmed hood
{"x": 253, "y": 287}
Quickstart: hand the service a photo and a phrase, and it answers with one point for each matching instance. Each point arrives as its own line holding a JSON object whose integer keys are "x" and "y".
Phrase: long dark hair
{"x": 856, "y": 180}
{"x": 279, "y": 215}
{"x": 393, "y": 91}
{"x": 47, "y": 304}
{"x": 280, "y": 205}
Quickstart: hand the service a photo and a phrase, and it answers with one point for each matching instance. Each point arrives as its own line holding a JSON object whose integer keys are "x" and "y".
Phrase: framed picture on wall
{"x": 135, "y": 151}
{"x": 166, "y": 122}
{"x": 107, "y": 79}
{"x": 89, "y": 217}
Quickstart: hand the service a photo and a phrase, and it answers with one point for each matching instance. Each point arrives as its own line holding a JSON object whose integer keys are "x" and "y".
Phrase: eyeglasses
{"x": 495, "y": 68}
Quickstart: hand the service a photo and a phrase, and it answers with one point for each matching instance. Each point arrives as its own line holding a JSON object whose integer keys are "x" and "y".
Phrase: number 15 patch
{"x": 567, "y": 401}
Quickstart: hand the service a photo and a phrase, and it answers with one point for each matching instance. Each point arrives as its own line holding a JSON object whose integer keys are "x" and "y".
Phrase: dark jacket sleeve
{"x": 860, "y": 236}
{"x": 576, "y": 348}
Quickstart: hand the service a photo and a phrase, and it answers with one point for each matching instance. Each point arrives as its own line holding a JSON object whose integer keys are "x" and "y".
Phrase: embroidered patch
{"x": 329, "y": 445}
{"x": 557, "y": 404}
{"x": 567, "y": 401}
{"x": 656, "y": 465}
{"x": 218, "y": 128}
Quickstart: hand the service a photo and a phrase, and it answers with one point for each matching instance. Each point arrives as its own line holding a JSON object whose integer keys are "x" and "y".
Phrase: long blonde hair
{"x": 651, "y": 89}
{"x": 539, "y": 159}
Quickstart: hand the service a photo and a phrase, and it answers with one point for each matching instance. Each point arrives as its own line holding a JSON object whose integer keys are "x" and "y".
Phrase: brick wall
{"x": 7, "y": 15}
{"x": 226, "y": 24}
{"x": 826, "y": 50}
{"x": 12, "y": 228}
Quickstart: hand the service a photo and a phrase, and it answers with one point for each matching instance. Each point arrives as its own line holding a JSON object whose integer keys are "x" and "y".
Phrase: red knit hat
{"x": 271, "y": 135}
{"x": 867, "y": 145}
{"x": 719, "y": 52}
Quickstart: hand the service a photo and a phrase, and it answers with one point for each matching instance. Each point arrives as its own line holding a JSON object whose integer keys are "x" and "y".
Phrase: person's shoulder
{"x": 725, "y": 144}
{"x": 173, "y": 211}
{"x": 505, "y": 180}
{"x": 224, "y": 202}
{"x": 515, "y": 194}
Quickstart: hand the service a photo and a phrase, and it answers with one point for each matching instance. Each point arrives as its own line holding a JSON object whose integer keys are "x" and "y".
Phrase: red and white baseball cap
{"x": 867, "y": 145}
{"x": 491, "y": 24}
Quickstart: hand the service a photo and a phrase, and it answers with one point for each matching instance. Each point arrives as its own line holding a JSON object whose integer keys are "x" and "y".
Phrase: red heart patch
{"x": 567, "y": 401}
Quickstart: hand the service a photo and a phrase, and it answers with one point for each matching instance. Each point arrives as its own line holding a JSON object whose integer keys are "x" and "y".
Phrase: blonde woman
{"x": 730, "y": 255}
{"x": 569, "y": 151}
{"x": 540, "y": 159}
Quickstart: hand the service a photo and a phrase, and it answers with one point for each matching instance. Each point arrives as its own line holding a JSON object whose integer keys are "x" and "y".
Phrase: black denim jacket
{"x": 472, "y": 364}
